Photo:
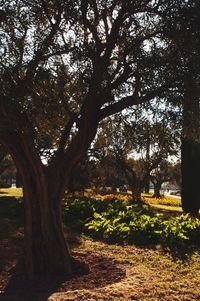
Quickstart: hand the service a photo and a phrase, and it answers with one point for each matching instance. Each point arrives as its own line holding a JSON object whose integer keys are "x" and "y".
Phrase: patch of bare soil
{"x": 115, "y": 273}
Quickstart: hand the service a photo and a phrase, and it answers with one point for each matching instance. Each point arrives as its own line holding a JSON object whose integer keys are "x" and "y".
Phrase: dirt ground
{"x": 115, "y": 273}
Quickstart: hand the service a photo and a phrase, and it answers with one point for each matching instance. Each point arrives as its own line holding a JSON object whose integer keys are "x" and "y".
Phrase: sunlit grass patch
{"x": 166, "y": 200}
{"x": 16, "y": 192}
{"x": 146, "y": 197}
{"x": 121, "y": 197}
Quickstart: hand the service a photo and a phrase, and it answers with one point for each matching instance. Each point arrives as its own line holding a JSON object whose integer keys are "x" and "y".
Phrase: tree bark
{"x": 190, "y": 152}
{"x": 18, "y": 180}
{"x": 46, "y": 248}
{"x": 157, "y": 188}
{"x": 147, "y": 181}
{"x": 147, "y": 186}
{"x": 136, "y": 190}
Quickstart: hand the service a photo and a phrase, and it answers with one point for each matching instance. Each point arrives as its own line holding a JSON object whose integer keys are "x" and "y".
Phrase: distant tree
{"x": 108, "y": 170}
{"x": 177, "y": 174}
{"x": 128, "y": 139}
{"x": 6, "y": 165}
{"x": 84, "y": 176}
{"x": 147, "y": 182}
{"x": 165, "y": 172}
{"x": 3, "y": 161}
{"x": 110, "y": 173}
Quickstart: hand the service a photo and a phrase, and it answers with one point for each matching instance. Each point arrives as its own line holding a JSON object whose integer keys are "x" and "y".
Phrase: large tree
{"x": 182, "y": 26}
{"x": 65, "y": 66}
{"x": 190, "y": 42}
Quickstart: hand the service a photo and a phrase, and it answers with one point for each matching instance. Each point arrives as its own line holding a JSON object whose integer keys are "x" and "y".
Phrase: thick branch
{"x": 119, "y": 106}
{"x": 131, "y": 100}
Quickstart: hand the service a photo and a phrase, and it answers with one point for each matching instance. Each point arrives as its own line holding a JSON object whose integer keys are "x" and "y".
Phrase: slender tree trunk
{"x": 157, "y": 188}
{"x": 147, "y": 182}
{"x": 147, "y": 186}
{"x": 18, "y": 179}
{"x": 190, "y": 153}
{"x": 136, "y": 190}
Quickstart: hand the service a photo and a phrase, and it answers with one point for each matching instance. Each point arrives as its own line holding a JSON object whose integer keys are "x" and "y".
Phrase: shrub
{"x": 78, "y": 211}
{"x": 133, "y": 226}
{"x": 118, "y": 221}
{"x": 143, "y": 229}
{"x": 180, "y": 230}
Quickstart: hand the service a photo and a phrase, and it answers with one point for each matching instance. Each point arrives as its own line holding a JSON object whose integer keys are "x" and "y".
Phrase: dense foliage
{"x": 117, "y": 221}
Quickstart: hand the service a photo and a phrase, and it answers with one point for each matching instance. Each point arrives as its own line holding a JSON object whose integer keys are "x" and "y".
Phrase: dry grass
{"x": 166, "y": 200}
{"x": 117, "y": 273}
{"x": 148, "y": 275}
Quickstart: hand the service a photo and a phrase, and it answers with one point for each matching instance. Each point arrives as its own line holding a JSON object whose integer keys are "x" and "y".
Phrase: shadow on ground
{"x": 102, "y": 271}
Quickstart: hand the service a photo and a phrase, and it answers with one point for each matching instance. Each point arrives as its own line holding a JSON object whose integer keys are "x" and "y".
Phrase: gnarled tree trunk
{"x": 46, "y": 250}
{"x": 46, "y": 247}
